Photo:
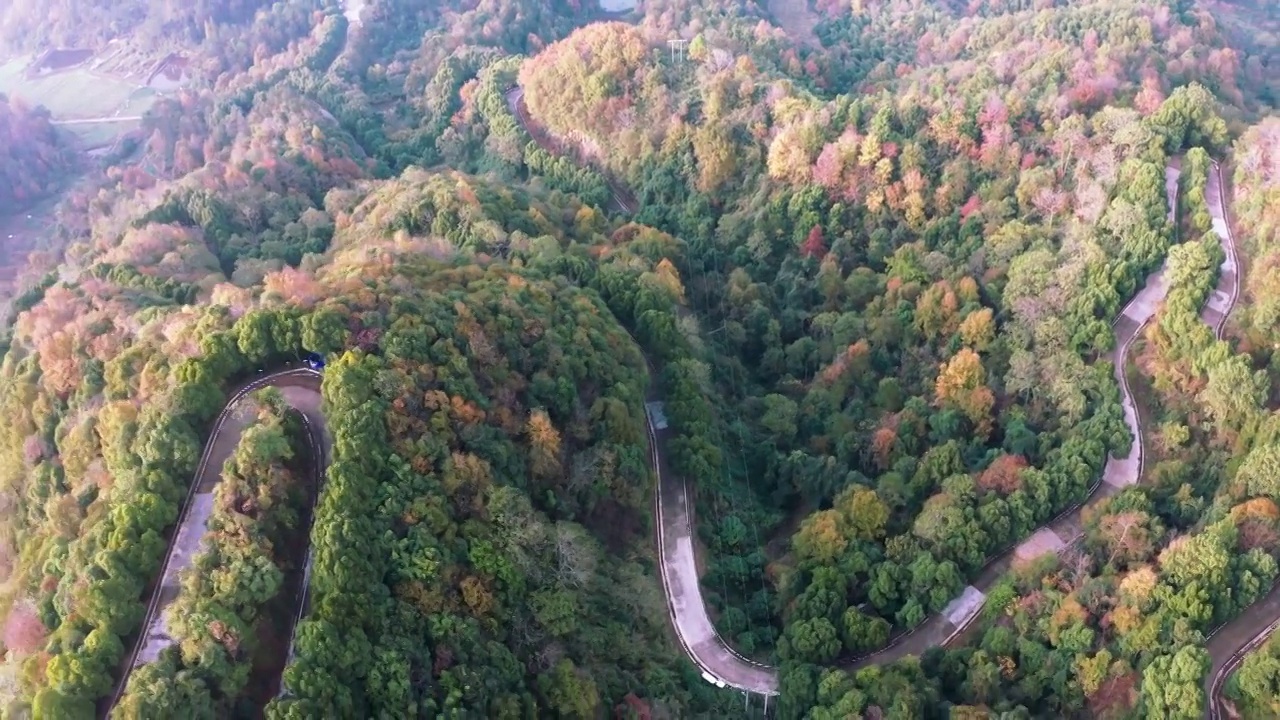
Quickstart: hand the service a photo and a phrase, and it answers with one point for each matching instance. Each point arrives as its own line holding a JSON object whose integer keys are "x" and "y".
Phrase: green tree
{"x": 864, "y": 513}
{"x": 812, "y": 640}
{"x": 779, "y": 419}
{"x": 1172, "y": 685}
{"x": 1257, "y": 682}
{"x": 50, "y": 704}
{"x": 159, "y": 689}
{"x": 863, "y": 632}
{"x": 324, "y": 331}
{"x": 570, "y": 692}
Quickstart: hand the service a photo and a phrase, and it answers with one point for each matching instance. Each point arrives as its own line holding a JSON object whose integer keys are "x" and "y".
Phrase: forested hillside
{"x": 1257, "y": 184}
{"x": 913, "y": 311}
{"x": 28, "y": 25}
{"x": 233, "y": 609}
{"x": 871, "y": 336}
{"x": 34, "y": 161}
{"x": 1257, "y": 686}
{"x": 872, "y": 277}
{"x": 481, "y": 419}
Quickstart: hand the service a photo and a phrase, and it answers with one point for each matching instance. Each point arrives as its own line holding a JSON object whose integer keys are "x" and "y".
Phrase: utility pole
{"x": 677, "y": 48}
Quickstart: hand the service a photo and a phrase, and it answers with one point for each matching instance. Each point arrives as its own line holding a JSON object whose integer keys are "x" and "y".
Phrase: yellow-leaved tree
{"x": 962, "y": 384}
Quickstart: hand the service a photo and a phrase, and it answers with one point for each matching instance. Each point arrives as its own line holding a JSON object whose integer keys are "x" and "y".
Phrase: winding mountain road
{"x": 718, "y": 662}
{"x": 1228, "y": 646}
{"x": 724, "y": 667}
{"x": 300, "y": 389}
{"x": 515, "y": 103}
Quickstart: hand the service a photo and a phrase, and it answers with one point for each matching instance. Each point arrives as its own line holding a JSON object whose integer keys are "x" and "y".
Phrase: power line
{"x": 720, "y": 269}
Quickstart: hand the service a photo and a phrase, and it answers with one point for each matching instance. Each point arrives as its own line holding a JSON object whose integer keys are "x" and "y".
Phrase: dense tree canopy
{"x": 871, "y": 274}
{"x": 233, "y": 605}
{"x": 26, "y": 25}
{"x": 35, "y": 159}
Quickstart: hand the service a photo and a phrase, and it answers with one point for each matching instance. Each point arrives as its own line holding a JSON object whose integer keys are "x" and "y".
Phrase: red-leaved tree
{"x": 24, "y": 633}
{"x": 814, "y": 245}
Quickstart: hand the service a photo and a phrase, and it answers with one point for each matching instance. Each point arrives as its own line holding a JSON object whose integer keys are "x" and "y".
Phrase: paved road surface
{"x": 718, "y": 662}
{"x": 98, "y": 121}
{"x": 1223, "y": 299}
{"x": 1228, "y": 646}
{"x": 301, "y": 390}
{"x": 722, "y": 666}
{"x": 515, "y": 103}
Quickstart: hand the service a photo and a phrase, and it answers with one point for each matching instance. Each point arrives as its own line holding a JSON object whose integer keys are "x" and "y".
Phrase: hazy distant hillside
{"x": 30, "y": 24}
{"x": 32, "y": 158}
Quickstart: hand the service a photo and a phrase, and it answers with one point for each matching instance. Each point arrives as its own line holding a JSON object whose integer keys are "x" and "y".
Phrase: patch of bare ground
{"x": 58, "y": 59}
{"x": 170, "y": 73}
{"x": 797, "y": 19}
{"x": 1115, "y": 698}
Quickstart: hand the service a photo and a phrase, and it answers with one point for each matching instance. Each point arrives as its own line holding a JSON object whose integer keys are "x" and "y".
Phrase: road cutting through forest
{"x": 1229, "y": 644}
{"x": 724, "y": 667}
{"x": 516, "y": 104}
{"x": 721, "y": 665}
{"x": 696, "y": 633}
{"x": 301, "y": 391}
